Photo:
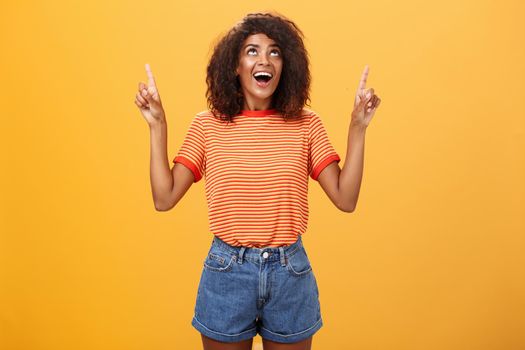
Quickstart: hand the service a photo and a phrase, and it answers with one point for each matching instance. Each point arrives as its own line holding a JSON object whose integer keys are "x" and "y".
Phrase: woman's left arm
{"x": 342, "y": 186}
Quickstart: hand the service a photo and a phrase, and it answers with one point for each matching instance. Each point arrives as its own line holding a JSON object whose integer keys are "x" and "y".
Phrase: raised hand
{"x": 148, "y": 100}
{"x": 366, "y": 102}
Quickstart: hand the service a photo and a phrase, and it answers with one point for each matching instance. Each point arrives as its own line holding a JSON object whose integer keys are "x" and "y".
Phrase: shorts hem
{"x": 291, "y": 338}
{"x": 223, "y": 337}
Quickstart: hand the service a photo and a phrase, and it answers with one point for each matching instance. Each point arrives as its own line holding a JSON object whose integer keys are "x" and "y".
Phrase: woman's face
{"x": 259, "y": 54}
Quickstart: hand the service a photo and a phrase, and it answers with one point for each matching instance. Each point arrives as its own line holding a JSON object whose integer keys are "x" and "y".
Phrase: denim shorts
{"x": 244, "y": 291}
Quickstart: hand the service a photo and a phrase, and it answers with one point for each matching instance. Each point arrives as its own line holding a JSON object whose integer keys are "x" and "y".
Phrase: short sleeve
{"x": 320, "y": 150}
{"x": 192, "y": 152}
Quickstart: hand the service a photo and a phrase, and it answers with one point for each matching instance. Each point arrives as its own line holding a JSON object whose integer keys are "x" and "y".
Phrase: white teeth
{"x": 263, "y": 73}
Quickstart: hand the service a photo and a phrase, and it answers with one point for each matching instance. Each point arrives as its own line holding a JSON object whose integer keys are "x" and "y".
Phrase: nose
{"x": 263, "y": 60}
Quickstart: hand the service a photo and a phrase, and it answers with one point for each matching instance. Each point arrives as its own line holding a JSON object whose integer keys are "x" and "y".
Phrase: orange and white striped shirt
{"x": 256, "y": 170}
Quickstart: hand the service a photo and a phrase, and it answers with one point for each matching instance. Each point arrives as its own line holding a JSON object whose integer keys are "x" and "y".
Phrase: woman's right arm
{"x": 168, "y": 187}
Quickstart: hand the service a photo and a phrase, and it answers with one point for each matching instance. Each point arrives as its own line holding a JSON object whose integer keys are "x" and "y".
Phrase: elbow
{"x": 347, "y": 208}
{"x": 162, "y": 206}
{"x": 159, "y": 208}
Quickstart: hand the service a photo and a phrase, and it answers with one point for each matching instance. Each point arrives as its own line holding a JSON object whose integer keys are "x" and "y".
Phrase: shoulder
{"x": 306, "y": 112}
{"x": 204, "y": 114}
{"x": 204, "y": 117}
{"x": 311, "y": 116}
{"x": 207, "y": 116}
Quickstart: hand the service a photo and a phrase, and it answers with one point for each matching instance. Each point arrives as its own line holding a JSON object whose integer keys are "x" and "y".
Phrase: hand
{"x": 148, "y": 100}
{"x": 366, "y": 102}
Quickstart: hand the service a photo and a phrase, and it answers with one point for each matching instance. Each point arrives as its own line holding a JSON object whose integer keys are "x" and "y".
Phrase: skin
{"x": 258, "y": 52}
{"x": 341, "y": 186}
{"x": 210, "y": 344}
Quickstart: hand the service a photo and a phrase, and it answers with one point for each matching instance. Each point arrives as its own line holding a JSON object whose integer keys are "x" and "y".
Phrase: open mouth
{"x": 263, "y": 78}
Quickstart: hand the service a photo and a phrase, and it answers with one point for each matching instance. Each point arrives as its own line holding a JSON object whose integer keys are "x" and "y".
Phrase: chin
{"x": 265, "y": 94}
{"x": 264, "y": 97}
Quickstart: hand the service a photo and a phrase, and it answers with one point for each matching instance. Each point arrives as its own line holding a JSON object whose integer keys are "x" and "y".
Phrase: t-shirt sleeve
{"x": 320, "y": 150}
{"x": 192, "y": 152}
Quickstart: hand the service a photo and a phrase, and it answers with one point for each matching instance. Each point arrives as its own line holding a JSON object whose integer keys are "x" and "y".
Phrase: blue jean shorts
{"x": 244, "y": 291}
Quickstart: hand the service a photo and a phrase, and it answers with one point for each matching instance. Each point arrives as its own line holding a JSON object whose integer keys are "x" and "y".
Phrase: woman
{"x": 256, "y": 146}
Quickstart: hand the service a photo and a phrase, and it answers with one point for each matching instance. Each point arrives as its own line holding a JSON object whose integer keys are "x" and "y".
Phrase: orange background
{"x": 432, "y": 258}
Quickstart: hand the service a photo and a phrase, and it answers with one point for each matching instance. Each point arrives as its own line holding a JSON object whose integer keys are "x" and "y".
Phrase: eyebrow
{"x": 259, "y": 46}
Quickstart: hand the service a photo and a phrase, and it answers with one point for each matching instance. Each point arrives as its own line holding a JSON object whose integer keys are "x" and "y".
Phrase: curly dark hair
{"x": 224, "y": 94}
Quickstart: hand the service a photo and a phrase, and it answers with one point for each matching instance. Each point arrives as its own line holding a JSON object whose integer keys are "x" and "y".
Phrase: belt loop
{"x": 241, "y": 253}
{"x": 281, "y": 253}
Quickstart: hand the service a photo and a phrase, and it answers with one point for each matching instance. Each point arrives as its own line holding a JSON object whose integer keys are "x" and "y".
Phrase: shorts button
{"x": 265, "y": 255}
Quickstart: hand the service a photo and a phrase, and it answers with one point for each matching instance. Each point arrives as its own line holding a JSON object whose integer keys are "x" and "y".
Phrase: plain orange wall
{"x": 431, "y": 259}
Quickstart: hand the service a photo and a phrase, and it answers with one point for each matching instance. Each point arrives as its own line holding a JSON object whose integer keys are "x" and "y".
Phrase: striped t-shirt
{"x": 256, "y": 170}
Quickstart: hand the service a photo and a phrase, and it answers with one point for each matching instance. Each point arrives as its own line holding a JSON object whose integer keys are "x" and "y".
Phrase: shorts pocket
{"x": 298, "y": 264}
{"x": 218, "y": 260}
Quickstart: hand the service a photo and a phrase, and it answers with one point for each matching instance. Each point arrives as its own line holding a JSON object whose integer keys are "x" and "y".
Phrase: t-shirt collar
{"x": 259, "y": 113}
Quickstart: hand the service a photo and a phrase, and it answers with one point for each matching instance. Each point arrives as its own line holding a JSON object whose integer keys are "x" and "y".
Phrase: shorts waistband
{"x": 268, "y": 253}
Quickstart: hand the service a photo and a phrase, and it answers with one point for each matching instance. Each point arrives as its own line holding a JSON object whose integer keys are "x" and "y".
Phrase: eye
{"x": 252, "y": 49}
{"x": 277, "y": 52}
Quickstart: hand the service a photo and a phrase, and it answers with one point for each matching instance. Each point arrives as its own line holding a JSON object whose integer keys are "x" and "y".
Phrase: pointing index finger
{"x": 151, "y": 80}
{"x": 364, "y": 76}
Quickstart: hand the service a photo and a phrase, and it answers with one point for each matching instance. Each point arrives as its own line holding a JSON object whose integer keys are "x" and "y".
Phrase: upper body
{"x": 256, "y": 171}
{"x": 257, "y": 145}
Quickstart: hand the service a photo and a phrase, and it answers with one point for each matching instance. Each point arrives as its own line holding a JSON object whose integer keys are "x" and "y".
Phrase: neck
{"x": 257, "y": 105}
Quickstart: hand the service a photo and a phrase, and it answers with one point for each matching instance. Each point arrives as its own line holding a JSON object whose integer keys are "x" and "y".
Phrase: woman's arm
{"x": 167, "y": 187}
{"x": 342, "y": 186}
{"x": 352, "y": 173}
